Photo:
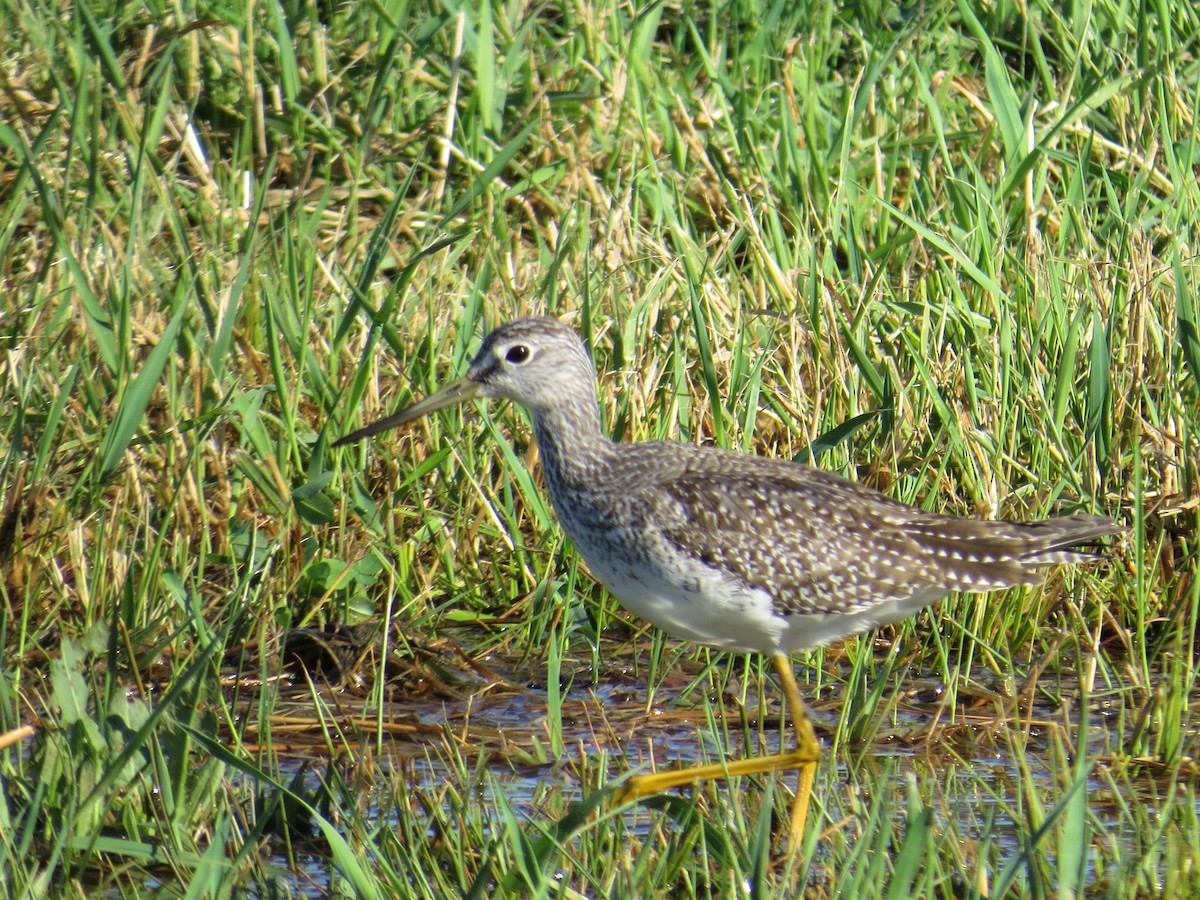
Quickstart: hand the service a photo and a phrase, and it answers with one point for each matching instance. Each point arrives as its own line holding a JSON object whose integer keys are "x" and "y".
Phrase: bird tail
{"x": 1069, "y": 539}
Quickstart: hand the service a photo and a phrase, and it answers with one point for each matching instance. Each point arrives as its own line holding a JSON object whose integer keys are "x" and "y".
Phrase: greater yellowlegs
{"x": 739, "y": 552}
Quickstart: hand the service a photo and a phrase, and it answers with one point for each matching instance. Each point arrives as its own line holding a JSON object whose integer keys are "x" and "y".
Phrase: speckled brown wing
{"x": 816, "y": 544}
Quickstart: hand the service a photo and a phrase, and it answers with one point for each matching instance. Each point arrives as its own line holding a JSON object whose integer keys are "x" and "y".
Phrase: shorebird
{"x": 735, "y": 551}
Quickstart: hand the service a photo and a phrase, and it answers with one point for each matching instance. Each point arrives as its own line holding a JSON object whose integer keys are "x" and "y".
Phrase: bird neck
{"x": 571, "y": 442}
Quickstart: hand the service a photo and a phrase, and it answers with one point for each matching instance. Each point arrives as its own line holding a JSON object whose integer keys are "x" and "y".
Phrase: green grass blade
{"x": 136, "y": 399}
{"x": 1187, "y": 324}
{"x": 485, "y": 178}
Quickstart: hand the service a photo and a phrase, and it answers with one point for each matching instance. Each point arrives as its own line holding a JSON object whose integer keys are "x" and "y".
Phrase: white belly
{"x": 711, "y": 611}
{"x": 695, "y": 611}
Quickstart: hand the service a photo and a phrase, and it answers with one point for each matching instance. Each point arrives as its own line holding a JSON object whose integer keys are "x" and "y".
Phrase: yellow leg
{"x": 804, "y": 758}
{"x": 806, "y": 746}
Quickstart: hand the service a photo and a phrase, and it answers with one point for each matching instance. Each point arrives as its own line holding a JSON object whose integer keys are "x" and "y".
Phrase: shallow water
{"x": 965, "y": 756}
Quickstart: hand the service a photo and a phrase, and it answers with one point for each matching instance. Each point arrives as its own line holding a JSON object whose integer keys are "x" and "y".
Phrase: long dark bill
{"x": 455, "y": 392}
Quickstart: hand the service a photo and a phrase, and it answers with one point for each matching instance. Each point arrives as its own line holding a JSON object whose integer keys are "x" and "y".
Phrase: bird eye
{"x": 517, "y": 354}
